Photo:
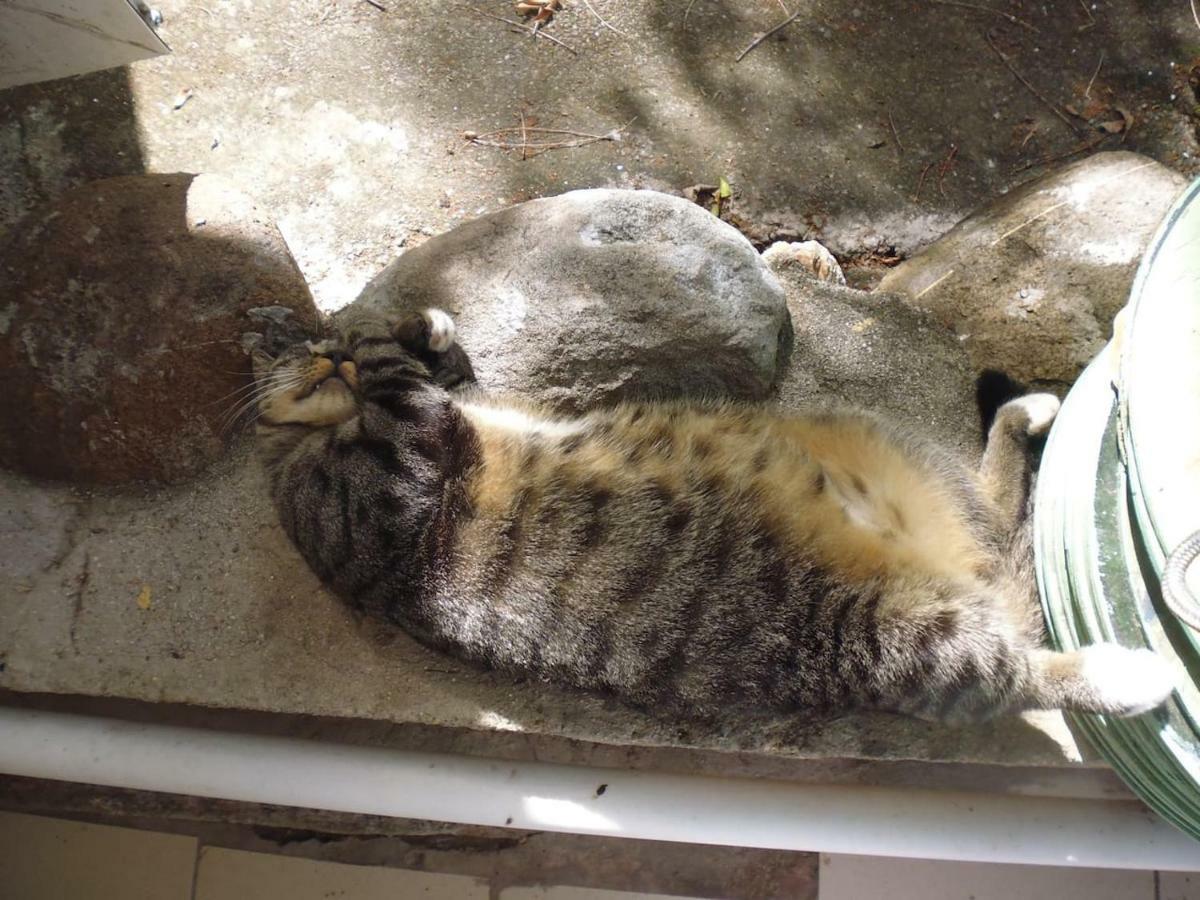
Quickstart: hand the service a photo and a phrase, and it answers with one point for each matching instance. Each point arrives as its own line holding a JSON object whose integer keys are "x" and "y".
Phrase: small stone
{"x": 275, "y": 314}
{"x": 811, "y": 257}
{"x": 599, "y": 295}
{"x": 1068, "y": 244}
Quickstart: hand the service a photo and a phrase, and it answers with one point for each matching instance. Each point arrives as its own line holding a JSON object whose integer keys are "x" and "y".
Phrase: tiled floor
{"x": 51, "y": 859}
{"x": 236, "y": 875}
{"x": 865, "y": 877}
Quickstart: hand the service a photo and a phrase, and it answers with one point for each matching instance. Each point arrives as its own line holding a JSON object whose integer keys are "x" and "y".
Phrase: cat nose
{"x": 337, "y": 357}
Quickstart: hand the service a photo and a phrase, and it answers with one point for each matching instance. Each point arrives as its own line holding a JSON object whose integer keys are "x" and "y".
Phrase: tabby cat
{"x": 684, "y": 557}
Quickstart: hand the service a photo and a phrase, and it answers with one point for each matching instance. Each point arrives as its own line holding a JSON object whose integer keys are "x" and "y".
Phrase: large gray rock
{"x": 872, "y": 351}
{"x": 595, "y": 296}
{"x": 1032, "y": 281}
{"x": 121, "y": 307}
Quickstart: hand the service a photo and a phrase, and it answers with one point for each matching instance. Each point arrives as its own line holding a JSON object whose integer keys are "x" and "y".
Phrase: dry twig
{"x": 1195, "y": 15}
{"x": 946, "y": 167}
{"x": 921, "y": 180}
{"x": 1091, "y": 22}
{"x": 762, "y": 37}
{"x": 543, "y": 139}
{"x": 1030, "y": 130}
{"x": 986, "y": 9}
{"x": 895, "y": 133}
{"x": 687, "y": 12}
{"x": 379, "y": 6}
{"x": 1088, "y": 92}
{"x": 592, "y": 9}
{"x": 1021, "y": 78}
{"x": 521, "y": 27}
{"x": 1066, "y": 154}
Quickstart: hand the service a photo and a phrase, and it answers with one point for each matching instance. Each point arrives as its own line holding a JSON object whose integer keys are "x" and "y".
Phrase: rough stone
{"x": 596, "y": 296}
{"x": 1032, "y": 281}
{"x": 120, "y": 335}
{"x": 872, "y": 351}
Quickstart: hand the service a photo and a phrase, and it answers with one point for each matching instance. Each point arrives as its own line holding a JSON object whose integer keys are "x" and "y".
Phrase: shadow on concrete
{"x": 127, "y": 299}
{"x": 58, "y": 134}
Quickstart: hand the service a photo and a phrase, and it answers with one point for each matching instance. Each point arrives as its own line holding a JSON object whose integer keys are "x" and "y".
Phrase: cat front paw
{"x": 441, "y": 330}
{"x": 1040, "y": 411}
{"x": 427, "y": 330}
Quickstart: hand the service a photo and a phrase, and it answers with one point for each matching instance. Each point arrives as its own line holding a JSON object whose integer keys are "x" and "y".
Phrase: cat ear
{"x": 262, "y": 362}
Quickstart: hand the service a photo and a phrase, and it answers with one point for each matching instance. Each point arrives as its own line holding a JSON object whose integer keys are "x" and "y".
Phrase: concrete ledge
{"x": 191, "y": 598}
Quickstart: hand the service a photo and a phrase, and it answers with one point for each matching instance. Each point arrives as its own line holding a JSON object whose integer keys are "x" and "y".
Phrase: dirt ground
{"x": 870, "y": 126}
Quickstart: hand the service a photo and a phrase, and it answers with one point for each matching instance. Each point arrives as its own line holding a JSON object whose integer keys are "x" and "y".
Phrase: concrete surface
{"x": 346, "y": 122}
{"x": 192, "y": 596}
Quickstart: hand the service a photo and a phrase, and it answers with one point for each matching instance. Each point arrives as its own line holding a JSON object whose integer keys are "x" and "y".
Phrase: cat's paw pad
{"x": 1040, "y": 410}
{"x": 441, "y": 330}
{"x": 1127, "y": 682}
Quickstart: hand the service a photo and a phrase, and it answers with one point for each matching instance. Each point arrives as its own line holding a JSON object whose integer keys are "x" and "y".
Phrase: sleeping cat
{"x": 683, "y": 557}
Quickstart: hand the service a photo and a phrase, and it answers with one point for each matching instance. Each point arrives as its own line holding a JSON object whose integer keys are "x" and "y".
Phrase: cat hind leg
{"x": 1005, "y": 469}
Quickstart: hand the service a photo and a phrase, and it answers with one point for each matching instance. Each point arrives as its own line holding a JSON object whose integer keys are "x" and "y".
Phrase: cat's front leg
{"x": 427, "y": 330}
{"x": 430, "y": 333}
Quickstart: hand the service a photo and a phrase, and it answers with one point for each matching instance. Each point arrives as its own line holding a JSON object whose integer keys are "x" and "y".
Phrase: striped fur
{"x": 686, "y": 558}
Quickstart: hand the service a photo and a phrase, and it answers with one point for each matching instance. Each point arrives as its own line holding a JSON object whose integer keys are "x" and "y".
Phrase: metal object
{"x": 1174, "y": 585}
{"x": 45, "y": 39}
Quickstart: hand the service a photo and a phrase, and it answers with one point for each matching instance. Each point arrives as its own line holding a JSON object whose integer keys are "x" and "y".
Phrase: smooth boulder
{"x": 600, "y": 295}
{"x": 1032, "y": 281}
{"x": 122, "y": 305}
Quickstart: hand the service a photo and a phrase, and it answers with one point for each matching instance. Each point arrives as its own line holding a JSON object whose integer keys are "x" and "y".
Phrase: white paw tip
{"x": 1041, "y": 409}
{"x": 1127, "y": 682}
{"x": 441, "y": 330}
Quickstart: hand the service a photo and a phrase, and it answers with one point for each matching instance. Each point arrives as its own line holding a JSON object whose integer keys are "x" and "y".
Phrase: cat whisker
{"x": 242, "y": 390}
{"x": 261, "y": 382}
{"x": 203, "y": 344}
{"x": 255, "y": 398}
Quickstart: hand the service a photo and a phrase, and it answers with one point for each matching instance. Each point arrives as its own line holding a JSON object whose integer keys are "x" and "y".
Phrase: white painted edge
{"x": 736, "y": 812}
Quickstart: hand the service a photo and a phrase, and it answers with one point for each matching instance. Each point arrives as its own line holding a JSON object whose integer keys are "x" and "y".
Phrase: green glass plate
{"x": 1118, "y": 490}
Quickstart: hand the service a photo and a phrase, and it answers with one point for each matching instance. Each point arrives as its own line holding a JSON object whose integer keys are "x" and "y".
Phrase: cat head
{"x": 317, "y": 383}
{"x": 311, "y": 383}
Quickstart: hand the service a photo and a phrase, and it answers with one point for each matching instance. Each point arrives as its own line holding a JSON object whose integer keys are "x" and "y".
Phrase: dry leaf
{"x": 862, "y": 325}
{"x": 143, "y": 597}
{"x": 542, "y": 10}
{"x": 1126, "y": 115}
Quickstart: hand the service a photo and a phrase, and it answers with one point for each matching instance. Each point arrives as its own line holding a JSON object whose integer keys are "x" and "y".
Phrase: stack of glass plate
{"x": 1118, "y": 494}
